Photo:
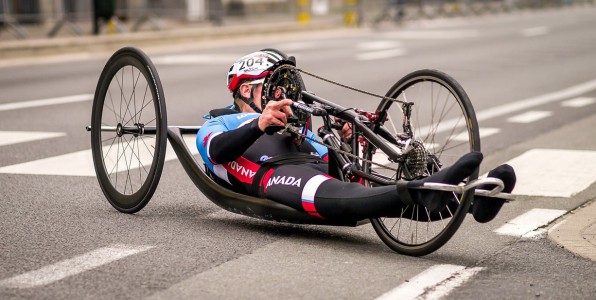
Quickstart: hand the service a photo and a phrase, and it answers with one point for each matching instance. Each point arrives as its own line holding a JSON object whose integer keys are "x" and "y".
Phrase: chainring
{"x": 284, "y": 80}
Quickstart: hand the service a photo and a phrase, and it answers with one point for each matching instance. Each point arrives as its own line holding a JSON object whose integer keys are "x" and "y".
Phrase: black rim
{"x": 444, "y": 123}
{"x": 128, "y": 130}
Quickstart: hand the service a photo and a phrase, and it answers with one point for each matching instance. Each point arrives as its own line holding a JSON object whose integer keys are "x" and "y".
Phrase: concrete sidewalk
{"x": 175, "y": 34}
{"x": 576, "y": 231}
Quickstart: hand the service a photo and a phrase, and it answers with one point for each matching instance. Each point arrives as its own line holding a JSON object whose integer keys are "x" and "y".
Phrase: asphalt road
{"x": 183, "y": 246}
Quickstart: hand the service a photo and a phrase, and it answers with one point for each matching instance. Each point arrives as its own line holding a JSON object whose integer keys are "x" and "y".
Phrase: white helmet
{"x": 253, "y": 66}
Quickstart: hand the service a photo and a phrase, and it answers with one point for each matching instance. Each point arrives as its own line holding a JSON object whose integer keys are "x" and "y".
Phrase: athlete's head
{"x": 246, "y": 76}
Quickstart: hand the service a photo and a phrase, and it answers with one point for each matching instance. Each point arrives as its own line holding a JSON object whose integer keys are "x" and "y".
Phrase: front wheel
{"x": 444, "y": 128}
{"x": 128, "y": 130}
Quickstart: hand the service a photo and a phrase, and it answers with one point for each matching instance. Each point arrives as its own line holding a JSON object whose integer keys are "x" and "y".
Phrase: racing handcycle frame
{"x": 129, "y": 140}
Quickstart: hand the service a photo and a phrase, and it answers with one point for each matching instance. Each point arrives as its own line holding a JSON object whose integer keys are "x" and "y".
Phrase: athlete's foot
{"x": 435, "y": 201}
{"x": 485, "y": 209}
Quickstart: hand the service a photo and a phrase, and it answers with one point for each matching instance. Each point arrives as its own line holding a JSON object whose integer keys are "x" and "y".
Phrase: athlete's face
{"x": 245, "y": 90}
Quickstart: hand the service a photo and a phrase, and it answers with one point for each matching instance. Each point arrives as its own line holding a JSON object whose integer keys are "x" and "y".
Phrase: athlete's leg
{"x": 308, "y": 189}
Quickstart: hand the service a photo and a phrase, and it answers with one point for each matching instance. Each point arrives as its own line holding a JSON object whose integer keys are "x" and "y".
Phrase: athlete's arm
{"x": 219, "y": 144}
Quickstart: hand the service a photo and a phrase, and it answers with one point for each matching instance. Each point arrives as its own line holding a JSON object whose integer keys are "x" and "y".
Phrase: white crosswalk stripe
{"x": 72, "y": 266}
{"x": 484, "y": 132}
{"x": 553, "y": 172}
{"x": 433, "y": 283}
{"x": 381, "y": 54}
{"x": 529, "y": 224}
{"x": 530, "y": 116}
{"x": 16, "y": 137}
{"x": 579, "y": 102}
{"x": 78, "y": 163}
{"x": 46, "y": 102}
{"x": 535, "y": 31}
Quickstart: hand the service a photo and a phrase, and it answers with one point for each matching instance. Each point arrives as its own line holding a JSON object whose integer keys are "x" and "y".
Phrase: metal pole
{"x": 303, "y": 14}
{"x": 6, "y": 18}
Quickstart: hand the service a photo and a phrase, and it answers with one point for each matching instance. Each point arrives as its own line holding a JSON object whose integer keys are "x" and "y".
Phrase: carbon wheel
{"x": 128, "y": 130}
{"x": 444, "y": 125}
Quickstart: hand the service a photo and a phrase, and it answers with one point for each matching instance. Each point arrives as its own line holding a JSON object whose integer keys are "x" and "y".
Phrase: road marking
{"x": 73, "y": 266}
{"x": 430, "y": 282}
{"x": 450, "y": 284}
{"x": 80, "y": 163}
{"x": 432, "y": 34}
{"x": 381, "y": 54}
{"x": 515, "y": 106}
{"x": 535, "y": 31}
{"x": 195, "y": 59}
{"x": 579, "y": 102}
{"x": 46, "y": 102}
{"x": 529, "y": 224}
{"x": 512, "y": 107}
{"x": 553, "y": 172}
{"x": 484, "y": 132}
{"x": 297, "y": 46}
{"x": 378, "y": 45}
{"x": 15, "y": 137}
{"x": 530, "y": 116}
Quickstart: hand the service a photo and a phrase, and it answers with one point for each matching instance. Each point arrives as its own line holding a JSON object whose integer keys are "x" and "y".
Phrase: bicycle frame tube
{"x": 353, "y": 117}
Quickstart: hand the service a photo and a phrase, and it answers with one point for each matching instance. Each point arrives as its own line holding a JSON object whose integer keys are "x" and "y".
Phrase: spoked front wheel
{"x": 128, "y": 130}
{"x": 444, "y": 128}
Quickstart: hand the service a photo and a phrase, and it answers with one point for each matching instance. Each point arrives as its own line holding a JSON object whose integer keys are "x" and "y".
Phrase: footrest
{"x": 460, "y": 189}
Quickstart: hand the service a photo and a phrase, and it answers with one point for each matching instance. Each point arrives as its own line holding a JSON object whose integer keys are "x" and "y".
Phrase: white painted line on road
{"x": 72, "y": 164}
{"x": 516, "y": 106}
{"x": 431, "y": 280}
{"x": 554, "y": 172}
{"x": 46, "y": 102}
{"x": 579, "y": 102}
{"x": 15, "y": 137}
{"x": 535, "y": 31}
{"x": 528, "y": 225}
{"x": 80, "y": 163}
{"x": 195, "y": 59}
{"x": 66, "y": 268}
{"x": 484, "y": 132}
{"x": 294, "y": 47}
{"x": 432, "y": 34}
{"x": 450, "y": 284}
{"x": 378, "y": 45}
{"x": 530, "y": 116}
{"x": 381, "y": 54}
{"x": 536, "y": 101}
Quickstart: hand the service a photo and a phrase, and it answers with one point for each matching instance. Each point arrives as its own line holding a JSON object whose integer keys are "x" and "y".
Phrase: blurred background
{"x": 29, "y": 19}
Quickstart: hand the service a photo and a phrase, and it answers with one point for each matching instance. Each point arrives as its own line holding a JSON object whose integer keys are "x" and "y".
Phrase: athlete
{"x": 242, "y": 157}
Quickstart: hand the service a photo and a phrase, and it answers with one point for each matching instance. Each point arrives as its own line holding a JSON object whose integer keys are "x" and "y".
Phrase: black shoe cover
{"x": 485, "y": 209}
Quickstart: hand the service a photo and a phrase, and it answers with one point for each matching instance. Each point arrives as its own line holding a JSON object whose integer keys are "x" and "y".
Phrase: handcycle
{"x": 422, "y": 124}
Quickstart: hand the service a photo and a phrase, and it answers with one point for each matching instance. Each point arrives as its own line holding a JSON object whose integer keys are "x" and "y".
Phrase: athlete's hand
{"x": 275, "y": 113}
{"x": 346, "y": 132}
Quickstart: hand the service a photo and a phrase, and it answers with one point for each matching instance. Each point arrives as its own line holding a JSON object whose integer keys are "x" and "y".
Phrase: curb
{"x": 64, "y": 45}
{"x": 576, "y": 232}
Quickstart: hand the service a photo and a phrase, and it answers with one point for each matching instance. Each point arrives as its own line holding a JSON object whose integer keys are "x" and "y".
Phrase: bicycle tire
{"x": 133, "y": 125}
{"x": 455, "y": 96}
